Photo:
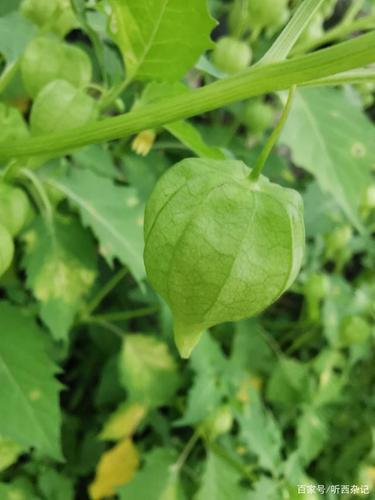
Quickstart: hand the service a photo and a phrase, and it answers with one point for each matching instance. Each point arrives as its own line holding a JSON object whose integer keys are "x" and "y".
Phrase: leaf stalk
{"x": 274, "y": 137}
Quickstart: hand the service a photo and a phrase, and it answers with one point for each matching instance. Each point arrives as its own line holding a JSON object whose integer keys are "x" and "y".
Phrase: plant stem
{"x": 284, "y": 43}
{"x": 353, "y": 10}
{"x": 302, "y": 340}
{"x": 272, "y": 343}
{"x": 240, "y": 28}
{"x": 336, "y": 33}
{"x": 80, "y": 11}
{"x": 186, "y": 452}
{"x": 8, "y": 74}
{"x": 104, "y": 324}
{"x": 113, "y": 94}
{"x": 104, "y": 291}
{"x": 257, "y": 80}
{"x": 263, "y": 157}
{"x": 125, "y": 315}
{"x": 169, "y": 145}
{"x": 33, "y": 179}
{"x": 348, "y": 77}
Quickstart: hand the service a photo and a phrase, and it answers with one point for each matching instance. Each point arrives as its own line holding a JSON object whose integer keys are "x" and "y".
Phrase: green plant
{"x": 132, "y": 110}
{"x": 57, "y": 15}
{"x": 47, "y": 59}
{"x": 354, "y": 329}
{"x": 15, "y": 208}
{"x": 6, "y": 249}
{"x": 12, "y": 124}
{"x": 267, "y": 13}
{"x": 258, "y": 116}
{"x": 231, "y": 55}
{"x": 39, "y": 11}
{"x": 61, "y": 106}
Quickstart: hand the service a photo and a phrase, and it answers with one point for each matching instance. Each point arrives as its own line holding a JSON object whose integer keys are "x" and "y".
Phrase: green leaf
{"x": 7, "y": 6}
{"x": 330, "y": 366}
{"x": 148, "y": 371}
{"x": 9, "y": 452}
{"x": 12, "y": 123}
{"x": 265, "y": 488}
{"x": 209, "y": 260}
{"x": 55, "y": 485}
{"x": 250, "y": 350}
{"x": 205, "y": 65}
{"x": 290, "y": 34}
{"x": 160, "y": 40}
{"x": 219, "y": 481}
{"x": 142, "y": 173}
{"x": 312, "y": 434}
{"x": 61, "y": 268}
{"x": 320, "y": 210}
{"x": 208, "y": 357}
{"x": 19, "y": 489}
{"x": 114, "y": 214}
{"x": 29, "y": 392}
{"x": 94, "y": 23}
{"x": 260, "y": 432}
{"x": 155, "y": 479}
{"x": 332, "y": 139}
{"x": 186, "y": 133}
{"x": 109, "y": 390}
{"x": 335, "y": 307}
{"x": 205, "y": 394}
{"x": 96, "y": 158}
{"x": 289, "y": 383}
{"x": 15, "y": 34}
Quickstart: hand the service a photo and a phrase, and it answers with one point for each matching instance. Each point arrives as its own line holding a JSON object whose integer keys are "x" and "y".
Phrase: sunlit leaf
{"x": 9, "y": 452}
{"x": 147, "y": 370}
{"x": 123, "y": 422}
{"x": 117, "y": 466}
{"x": 160, "y": 40}
{"x": 61, "y": 268}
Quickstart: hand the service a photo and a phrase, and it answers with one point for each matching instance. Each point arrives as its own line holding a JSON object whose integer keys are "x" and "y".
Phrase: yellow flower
{"x": 143, "y": 142}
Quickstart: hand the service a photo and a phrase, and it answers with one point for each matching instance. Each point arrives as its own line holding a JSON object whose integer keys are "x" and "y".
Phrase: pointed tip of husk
{"x": 186, "y": 338}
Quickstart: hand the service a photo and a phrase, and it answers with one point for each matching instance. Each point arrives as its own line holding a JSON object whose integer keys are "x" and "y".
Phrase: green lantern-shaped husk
{"x": 218, "y": 246}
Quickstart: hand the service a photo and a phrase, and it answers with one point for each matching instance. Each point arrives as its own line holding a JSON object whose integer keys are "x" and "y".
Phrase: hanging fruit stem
{"x": 274, "y": 137}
